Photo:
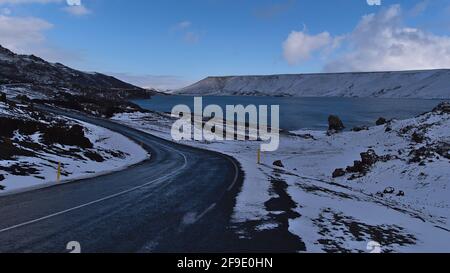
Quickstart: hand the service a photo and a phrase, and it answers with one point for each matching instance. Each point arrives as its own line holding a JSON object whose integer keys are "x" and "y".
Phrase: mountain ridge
{"x": 50, "y": 78}
{"x": 430, "y": 84}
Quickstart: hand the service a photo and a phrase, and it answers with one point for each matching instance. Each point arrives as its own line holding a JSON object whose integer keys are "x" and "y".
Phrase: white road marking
{"x": 236, "y": 175}
{"x": 211, "y": 207}
{"x": 101, "y": 199}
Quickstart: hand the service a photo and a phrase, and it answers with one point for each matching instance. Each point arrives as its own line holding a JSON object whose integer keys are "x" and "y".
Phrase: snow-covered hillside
{"x": 408, "y": 84}
{"x": 33, "y": 143}
{"x": 392, "y": 188}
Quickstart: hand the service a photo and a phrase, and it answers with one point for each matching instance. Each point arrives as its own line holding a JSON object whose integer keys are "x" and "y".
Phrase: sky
{"x": 169, "y": 44}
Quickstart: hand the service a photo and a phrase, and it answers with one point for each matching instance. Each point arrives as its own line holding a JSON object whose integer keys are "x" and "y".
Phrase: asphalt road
{"x": 180, "y": 200}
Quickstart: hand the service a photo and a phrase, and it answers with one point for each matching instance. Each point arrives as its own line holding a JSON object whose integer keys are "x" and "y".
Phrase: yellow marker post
{"x": 259, "y": 156}
{"x": 58, "y": 175}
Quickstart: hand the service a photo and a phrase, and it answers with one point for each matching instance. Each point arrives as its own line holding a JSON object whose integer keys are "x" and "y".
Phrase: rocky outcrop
{"x": 381, "y": 121}
{"x": 443, "y": 108}
{"x": 361, "y": 167}
{"x": 278, "y": 163}
{"x": 335, "y": 124}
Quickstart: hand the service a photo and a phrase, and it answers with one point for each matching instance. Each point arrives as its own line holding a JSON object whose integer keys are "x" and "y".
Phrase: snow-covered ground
{"x": 14, "y": 90}
{"x": 36, "y": 162}
{"x": 347, "y": 213}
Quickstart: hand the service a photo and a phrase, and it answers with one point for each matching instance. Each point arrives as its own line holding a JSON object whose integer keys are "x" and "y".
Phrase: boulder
{"x": 23, "y": 98}
{"x": 380, "y": 194}
{"x": 2, "y": 97}
{"x": 381, "y": 121}
{"x": 369, "y": 158}
{"x": 338, "y": 173}
{"x": 278, "y": 163}
{"x": 389, "y": 190}
{"x": 358, "y": 167}
{"x": 401, "y": 193}
{"x": 418, "y": 137}
{"x": 443, "y": 149}
{"x": 335, "y": 124}
{"x": 359, "y": 129}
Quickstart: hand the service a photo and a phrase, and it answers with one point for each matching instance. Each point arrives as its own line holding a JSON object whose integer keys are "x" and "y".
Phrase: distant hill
{"x": 33, "y": 73}
{"x": 427, "y": 84}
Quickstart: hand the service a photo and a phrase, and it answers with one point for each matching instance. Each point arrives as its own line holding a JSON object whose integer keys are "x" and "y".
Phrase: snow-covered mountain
{"x": 34, "y": 73}
{"x": 406, "y": 84}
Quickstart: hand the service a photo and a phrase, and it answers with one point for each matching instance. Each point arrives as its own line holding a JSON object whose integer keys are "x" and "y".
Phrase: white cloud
{"x": 14, "y": 2}
{"x": 74, "y": 2}
{"x": 73, "y": 7}
{"x": 5, "y": 11}
{"x": 185, "y": 29}
{"x": 299, "y": 46}
{"x": 77, "y": 10}
{"x": 26, "y": 35}
{"x": 379, "y": 42}
{"x": 20, "y": 34}
{"x": 420, "y": 8}
{"x": 183, "y": 25}
{"x": 191, "y": 37}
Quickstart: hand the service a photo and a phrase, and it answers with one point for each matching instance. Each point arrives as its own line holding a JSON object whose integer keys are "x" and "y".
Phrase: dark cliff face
{"x": 40, "y": 74}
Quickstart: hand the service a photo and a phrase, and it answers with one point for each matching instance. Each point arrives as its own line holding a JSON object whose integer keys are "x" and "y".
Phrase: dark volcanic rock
{"x": 381, "y": 121}
{"x": 23, "y": 98}
{"x": 72, "y": 137}
{"x": 369, "y": 158}
{"x": 443, "y": 108}
{"x": 94, "y": 156}
{"x": 2, "y": 97}
{"x": 278, "y": 163}
{"x": 443, "y": 149}
{"x": 430, "y": 151}
{"x": 338, "y": 173}
{"x": 418, "y": 137}
{"x": 363, "y": 166}
{"x": 10, "y": 125}
{"x": 359, "y": 129}
{"x": 418, "y": 155}
{"x": 358, "y": 167}
{"x": 8, "y": 151}
{"x": 335, "y": 124}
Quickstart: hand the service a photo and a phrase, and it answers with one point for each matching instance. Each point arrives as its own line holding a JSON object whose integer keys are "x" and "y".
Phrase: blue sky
{"x": 170, "y": 43}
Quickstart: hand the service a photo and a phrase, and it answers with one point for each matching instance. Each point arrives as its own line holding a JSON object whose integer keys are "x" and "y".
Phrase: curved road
{"x": 180, "y": 200}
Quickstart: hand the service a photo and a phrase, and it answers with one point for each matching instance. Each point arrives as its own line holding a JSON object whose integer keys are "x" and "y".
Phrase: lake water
{"x": 310, "y": 113}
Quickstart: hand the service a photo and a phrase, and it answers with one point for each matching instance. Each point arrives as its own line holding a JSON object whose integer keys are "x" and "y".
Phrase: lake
{"x": 310, "y": 113}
